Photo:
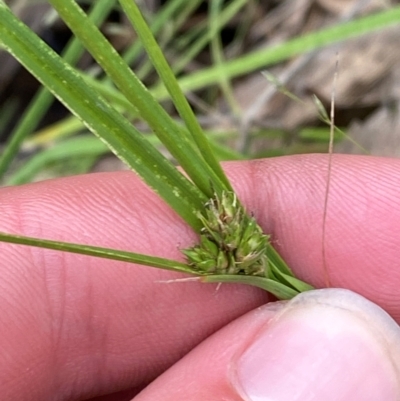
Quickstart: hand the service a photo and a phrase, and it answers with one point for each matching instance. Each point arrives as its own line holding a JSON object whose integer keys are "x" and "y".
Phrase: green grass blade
{"x": 293, "y": 282}
{"x": 43, "y": 99}
{"x": 100, "y": 252}
{"x": 162, "y": 17}
{"x": 160, "y": 63}
{"x": 276, "y": 260}
{"x": 149, "y": 109}
{"x": 112, "y": 94}
{"x": 80, "y": 147}
{"x": 66, "y": 127}
{"x": 278, "y": 289}
{"x": 281, "y": 291}
{"x": 223, "y": 152}
{"x": 7, "y": 113}
{"x": 122, "y": 138}
{"x": 272, "y": 55}
{"x": 170, "y": 17}
{"x": 188, "y": 54}
{"x": 218, "y": 57}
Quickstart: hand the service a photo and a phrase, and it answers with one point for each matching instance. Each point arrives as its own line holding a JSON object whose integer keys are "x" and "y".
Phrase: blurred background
{"x": 249, "y": 109}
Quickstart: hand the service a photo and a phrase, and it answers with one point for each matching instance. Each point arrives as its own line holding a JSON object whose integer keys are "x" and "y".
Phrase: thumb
{"x": 326, "y": 345}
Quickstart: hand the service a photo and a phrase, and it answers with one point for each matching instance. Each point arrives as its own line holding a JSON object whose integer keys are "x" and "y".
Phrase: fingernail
{"x": 331, "y": 345}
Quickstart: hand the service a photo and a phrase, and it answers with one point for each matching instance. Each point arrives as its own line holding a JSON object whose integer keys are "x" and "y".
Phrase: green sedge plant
{"x": 231, "y": 247}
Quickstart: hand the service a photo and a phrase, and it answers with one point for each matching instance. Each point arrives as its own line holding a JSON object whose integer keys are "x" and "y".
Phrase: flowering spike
{"x": 231, "y": 242}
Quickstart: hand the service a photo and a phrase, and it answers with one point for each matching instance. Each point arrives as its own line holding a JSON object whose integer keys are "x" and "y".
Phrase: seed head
{"x": 231, "y": 241}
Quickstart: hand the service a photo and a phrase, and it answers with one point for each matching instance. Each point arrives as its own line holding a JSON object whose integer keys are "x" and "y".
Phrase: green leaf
{"x": 280, "y": 290}
{"x": 174, "y": 139}
{"x": 43, "y": 99}
{"x": 219, "y": 180}
{"x": 187, "y": 54}
{"x": 80, "y": 147}
{"x": 302, "y": 44}
{"x": 276, "y": 260}
{"x": 101, "y": 118}
{"x": 215, "y": 14}
{"x": 100, "y": 252}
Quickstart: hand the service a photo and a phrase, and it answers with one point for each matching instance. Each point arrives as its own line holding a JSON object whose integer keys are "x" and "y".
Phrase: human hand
{"x": 74, "y": 327}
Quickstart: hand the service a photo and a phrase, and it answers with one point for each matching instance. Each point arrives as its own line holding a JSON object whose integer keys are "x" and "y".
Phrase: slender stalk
{"x": 188, "y": 54}
{"x": 160, "y": 63}
{"x": 95, "y": 251}
{"x": 175, "y": 140}
{"x": 218, "y": 57}
{"x": 281, "y": 291}
{"x": 163, "y": 16}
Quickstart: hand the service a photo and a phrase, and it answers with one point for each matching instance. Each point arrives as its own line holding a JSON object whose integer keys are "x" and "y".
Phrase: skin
{"x": 77, "y": 328}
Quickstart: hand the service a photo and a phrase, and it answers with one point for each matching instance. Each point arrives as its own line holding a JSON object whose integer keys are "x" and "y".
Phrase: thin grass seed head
{"x": 231, "y": 241}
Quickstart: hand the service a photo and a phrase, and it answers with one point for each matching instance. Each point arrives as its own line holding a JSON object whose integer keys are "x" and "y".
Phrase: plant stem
{"x": 160, "y": 63}
{"x": 104, "y": 253}
{"x": 174, "y": 139}
{"x": 102, "y": 119}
